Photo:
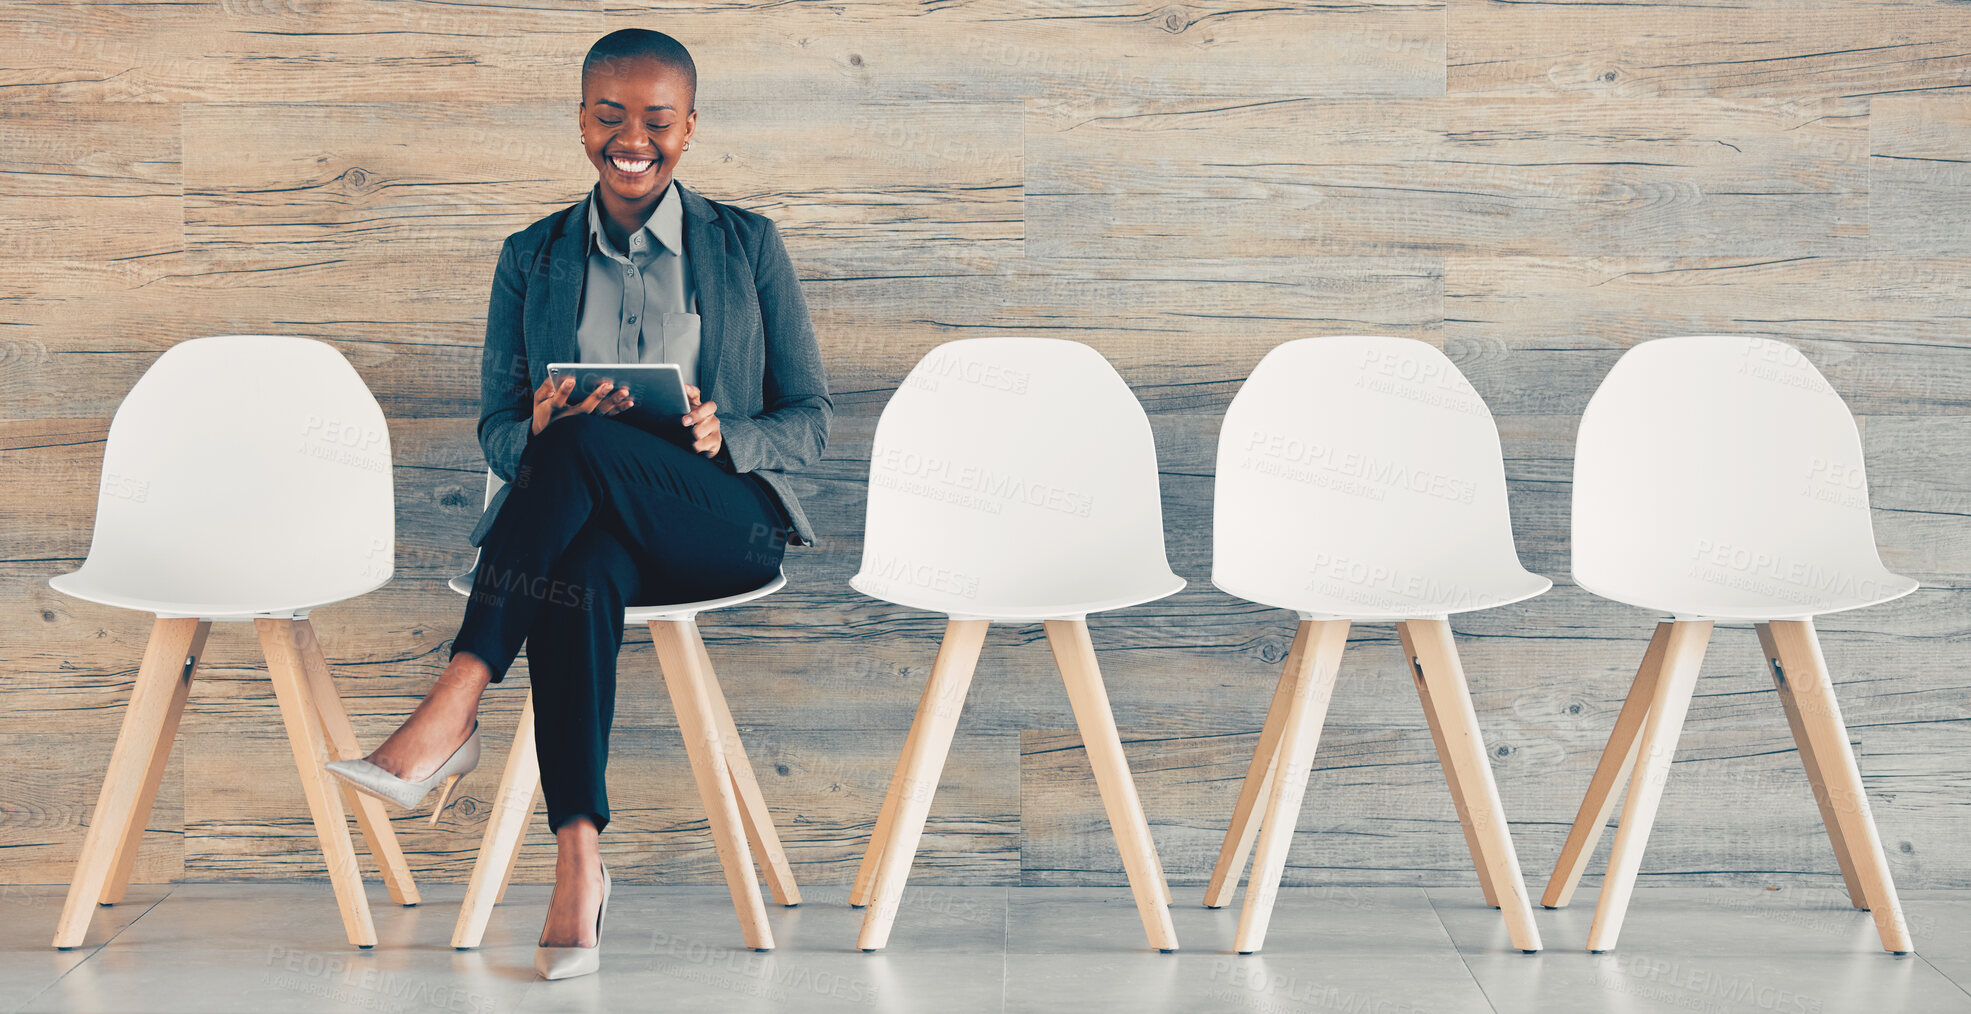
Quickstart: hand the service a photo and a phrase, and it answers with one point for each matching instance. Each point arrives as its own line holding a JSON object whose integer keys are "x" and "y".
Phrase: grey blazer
{"x": 757, "y": 357}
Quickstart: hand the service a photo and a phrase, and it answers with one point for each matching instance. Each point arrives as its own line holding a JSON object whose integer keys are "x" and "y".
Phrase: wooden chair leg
{"x": 885, "y": 830}
{"x": 1790, "y": 702}
{"x": 752, "y": 805}
{"x": 1258, "y": 782}
{"x": 1461, "y": 749}
{"x": 371, "y": 818}
{"x": 1074, "y": 654}
{"x": 1452, "y": 776}
{"x": 1618, "y": 759}
{"x": 133, "y": 837}
{"x": 526, "y": 815}
{"x": 923, "y": 760}
{"x": 143, "y": 747}
{"x": 1803, "y": 668}
{"x": 691, "y": 698}
{"x": 1683, "y": 654}
{"x": 1163, "y": 882}
{"x": 506, "y": 827}
{"x": 299, "y": 712}
{"x": 1314, "y": 684}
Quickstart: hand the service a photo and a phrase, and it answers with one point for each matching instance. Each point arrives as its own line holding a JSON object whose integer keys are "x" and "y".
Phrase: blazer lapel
{"x": 704, "y": 246}
{"x": 567, "y": 269}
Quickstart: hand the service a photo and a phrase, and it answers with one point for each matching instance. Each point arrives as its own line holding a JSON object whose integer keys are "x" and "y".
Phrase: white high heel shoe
{"x": 404, "y": 792}
{"x": 567, "y": 962}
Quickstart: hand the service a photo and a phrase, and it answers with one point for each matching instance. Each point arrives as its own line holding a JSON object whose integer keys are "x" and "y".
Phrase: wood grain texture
{"x": 1762, "y": 49}
{"x": 1181, "y": 187}
{"x": 375, "y": 50}
{"x": 1476, "y": 175}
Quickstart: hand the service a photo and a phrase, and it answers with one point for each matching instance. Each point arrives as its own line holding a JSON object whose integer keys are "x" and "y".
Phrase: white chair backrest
{"x": 1365, "y": 470}
{"x": 246, "y": 469}
{"x": 493, "y": 484}
{"x": 1010, "y": 476}
{"x": 1726, "y": 464}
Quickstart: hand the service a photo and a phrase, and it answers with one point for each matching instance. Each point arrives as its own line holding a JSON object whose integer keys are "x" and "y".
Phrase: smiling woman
{"x": 638, "y": 112}
{"x": 602, "y": 513}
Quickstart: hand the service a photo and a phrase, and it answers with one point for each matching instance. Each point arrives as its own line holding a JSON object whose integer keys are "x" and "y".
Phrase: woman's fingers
{"x": 618, "y": 400}
{"x": 701, "y": 412}
{"x": 595, "y": 397}
{"x": 544, "y": 404}
{"x": 706, "y": 437}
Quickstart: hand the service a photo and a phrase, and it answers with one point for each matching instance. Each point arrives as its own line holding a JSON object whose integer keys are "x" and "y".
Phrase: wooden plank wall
{"x": 1534, "y": 187}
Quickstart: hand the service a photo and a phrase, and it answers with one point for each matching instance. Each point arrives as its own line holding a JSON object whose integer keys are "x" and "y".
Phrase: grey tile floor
{"x": 266, "y": 947}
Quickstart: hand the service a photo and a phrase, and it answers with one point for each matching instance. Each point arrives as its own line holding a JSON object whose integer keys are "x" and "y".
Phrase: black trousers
{"x": 601, "y": 516}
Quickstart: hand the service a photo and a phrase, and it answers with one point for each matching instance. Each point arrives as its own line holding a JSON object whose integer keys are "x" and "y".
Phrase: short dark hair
{"x": 629, "y": 45}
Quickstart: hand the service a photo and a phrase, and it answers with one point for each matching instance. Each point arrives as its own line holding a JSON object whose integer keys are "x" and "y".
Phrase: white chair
{"x": 1012, "y": 479}
{"x": 1719, "y": 478}
{"x": 1360, "y": 479}
{"x": 734, "y": 808}
{"x": 246, "y": 477}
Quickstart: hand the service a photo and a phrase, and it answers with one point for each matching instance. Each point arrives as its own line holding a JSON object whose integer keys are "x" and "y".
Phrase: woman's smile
{"x": 636, "y": 119}
{"x": 632, "y": 168}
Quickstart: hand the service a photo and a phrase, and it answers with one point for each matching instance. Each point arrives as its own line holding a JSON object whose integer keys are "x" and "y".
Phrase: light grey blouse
{"x": 640, "y": 307}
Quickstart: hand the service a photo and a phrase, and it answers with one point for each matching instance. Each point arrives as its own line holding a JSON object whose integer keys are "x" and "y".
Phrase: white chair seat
{"x": 1754, "y": 600}
{"x": 1360, "y": 477}
{"x": 664, "y": 611}
{"x": 1014, "y": 479}
{"x": 1720, "y": 477}
{"x": 636, "y": 614}
{"x": 142, "y": 594}
{"x": 1145, "y": 588}
{"x": 271, "y": 501}
{"x": 1363, "y": 597}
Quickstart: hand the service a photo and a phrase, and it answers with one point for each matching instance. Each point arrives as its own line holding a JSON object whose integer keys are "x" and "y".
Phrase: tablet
{"x": 657, "y": 388}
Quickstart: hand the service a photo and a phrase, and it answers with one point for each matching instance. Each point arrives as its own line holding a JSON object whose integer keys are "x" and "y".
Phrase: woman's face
{"x": 636, "y": 117}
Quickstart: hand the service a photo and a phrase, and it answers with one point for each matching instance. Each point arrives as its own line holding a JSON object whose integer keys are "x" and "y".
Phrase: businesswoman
{"x": 597, "y": 514}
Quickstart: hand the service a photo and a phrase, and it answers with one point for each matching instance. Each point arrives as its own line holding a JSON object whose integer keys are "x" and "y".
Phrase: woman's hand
{"x": 551, "y": 401}
{"x": 703, "y": 424}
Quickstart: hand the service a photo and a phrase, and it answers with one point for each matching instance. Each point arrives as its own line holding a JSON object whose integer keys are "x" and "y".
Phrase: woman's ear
{"x": 690, "y": 125}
